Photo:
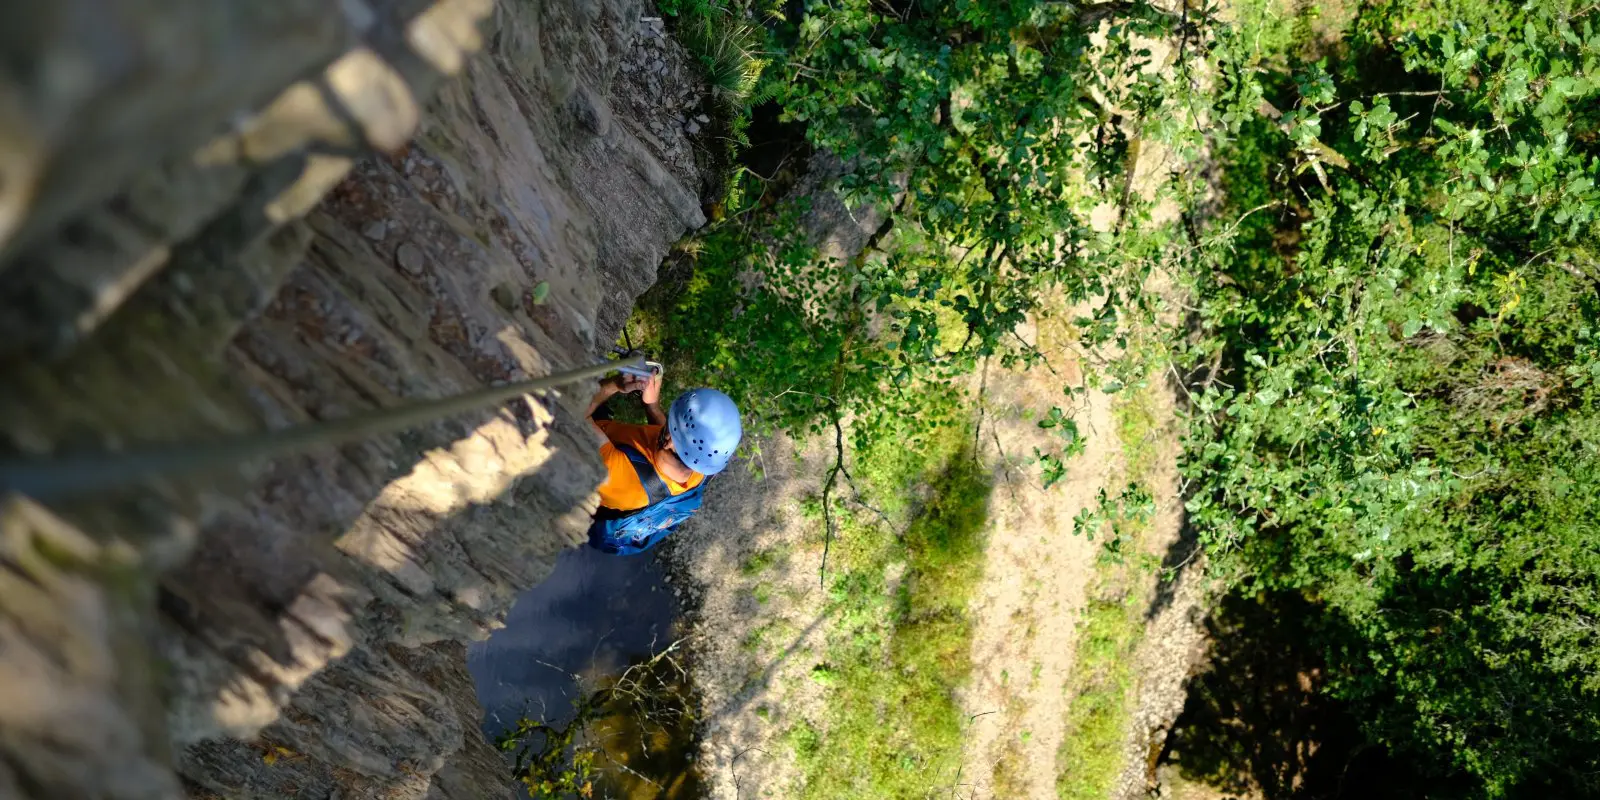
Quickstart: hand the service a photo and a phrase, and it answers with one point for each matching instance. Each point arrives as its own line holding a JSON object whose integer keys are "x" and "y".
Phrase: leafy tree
{"x": 993, "y": 129}
{"x": 988, "y": 133}
{"x": 1387, "y": 243}
{"x": 1402, "y": 425}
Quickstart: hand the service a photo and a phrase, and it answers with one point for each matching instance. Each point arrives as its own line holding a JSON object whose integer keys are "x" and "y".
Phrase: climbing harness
{"x": 633, "y": 532}
{"x": 73, "y": 475}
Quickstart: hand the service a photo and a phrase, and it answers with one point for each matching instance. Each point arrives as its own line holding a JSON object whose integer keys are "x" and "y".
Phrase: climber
{"x": 655, "y": 472}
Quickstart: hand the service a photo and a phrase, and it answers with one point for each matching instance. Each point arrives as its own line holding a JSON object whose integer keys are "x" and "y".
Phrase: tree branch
{"x": 827, "y": 492}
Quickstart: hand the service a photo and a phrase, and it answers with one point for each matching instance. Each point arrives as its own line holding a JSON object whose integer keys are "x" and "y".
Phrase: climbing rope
{"x": 75, "y": 475}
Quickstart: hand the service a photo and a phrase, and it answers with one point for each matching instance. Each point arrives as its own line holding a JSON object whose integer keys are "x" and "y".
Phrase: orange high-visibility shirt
{"x": 622, "y": 489}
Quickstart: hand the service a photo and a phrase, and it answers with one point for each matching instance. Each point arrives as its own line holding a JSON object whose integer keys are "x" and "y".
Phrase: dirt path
{"x": 1034, "y": 586}
{"x": 1174, "y": 631}
{"x": 751, "y": 557}
{"x": 751, "y": 560}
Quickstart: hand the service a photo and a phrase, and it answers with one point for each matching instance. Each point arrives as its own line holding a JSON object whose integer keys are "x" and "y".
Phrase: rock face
{"x": 194, "y": 241}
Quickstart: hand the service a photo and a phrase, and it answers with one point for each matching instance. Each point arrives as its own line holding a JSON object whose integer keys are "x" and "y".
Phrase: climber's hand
{"x": 651, "y": 388}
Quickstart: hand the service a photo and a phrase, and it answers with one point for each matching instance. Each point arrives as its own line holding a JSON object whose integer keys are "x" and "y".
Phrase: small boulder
{"x": 591, "y": 111}
{"x": 410, "y": 258}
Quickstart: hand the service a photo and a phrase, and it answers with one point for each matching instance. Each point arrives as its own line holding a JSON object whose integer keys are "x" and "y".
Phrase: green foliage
{"x": 898, "y": 650}
{"x": 726, "y": 43}
{"x": 1053, "y": 465}
{"x": 633, "y": 730}
{"x": 727, "y": 40}
{"x": 987, "y": 135}
{"x": 1090, "y": 758}
{"x": 552, "y": 761}
{"x": 1392, "y": 340}
{"x": 760, "y": 345}
{"x": 1127, "y": 514}
{"x": 761, "y": 561}
{"x": 1402, "y": 425}
{"x": 972, "y": 120}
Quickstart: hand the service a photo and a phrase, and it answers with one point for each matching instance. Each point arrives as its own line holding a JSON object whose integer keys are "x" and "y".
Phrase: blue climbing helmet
{"x": 705, "y": 429}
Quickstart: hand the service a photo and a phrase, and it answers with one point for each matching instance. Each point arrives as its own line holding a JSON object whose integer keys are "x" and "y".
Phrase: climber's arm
{"x": 652, "y": 400}
{"x": 609, "y": 387}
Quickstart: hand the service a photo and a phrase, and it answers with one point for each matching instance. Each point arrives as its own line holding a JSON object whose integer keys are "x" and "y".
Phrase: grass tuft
{"x": 1090, "y": 758}
{"x": 728, "y": 47}
{"x": 1091, "y": 755}
{"x": 898, "y": 653}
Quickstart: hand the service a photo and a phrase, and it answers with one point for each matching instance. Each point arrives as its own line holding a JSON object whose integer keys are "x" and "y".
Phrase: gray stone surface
{"x": 67, "y": 648}
{"x": 93, "y": 93}
{"x": 293, "y": 628}
{"x": 409, "y": 257}
{"x": 839, "y": 230}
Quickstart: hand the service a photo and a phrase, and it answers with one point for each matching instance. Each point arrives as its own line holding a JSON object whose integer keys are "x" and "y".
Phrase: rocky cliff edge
{"x": 221, "y": 217}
